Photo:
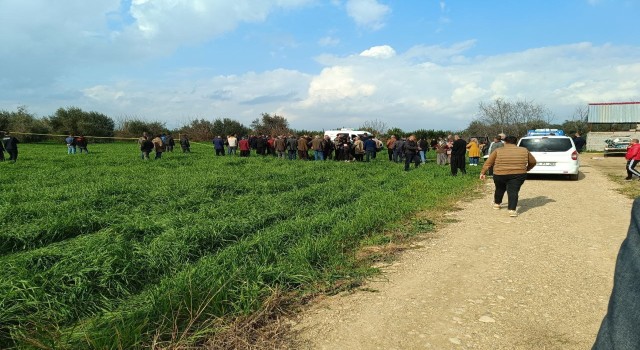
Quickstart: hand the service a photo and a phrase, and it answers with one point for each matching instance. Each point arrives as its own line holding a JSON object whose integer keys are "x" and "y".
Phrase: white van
{"x": 553, "y": 154}
{"x": 352, "y": 133}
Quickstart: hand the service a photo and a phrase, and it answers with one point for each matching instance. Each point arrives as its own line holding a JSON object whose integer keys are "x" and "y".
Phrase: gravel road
{"x": 488, "y": 281}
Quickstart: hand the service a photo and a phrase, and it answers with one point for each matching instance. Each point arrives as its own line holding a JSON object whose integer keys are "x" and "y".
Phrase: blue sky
{"x": 321, "y": 64}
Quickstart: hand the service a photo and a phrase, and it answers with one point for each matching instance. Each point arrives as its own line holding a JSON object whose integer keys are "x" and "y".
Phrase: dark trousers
{"x": 219, "y": 151}
{"x": 390, "y": 151}
{"x": 631, "y": 168}
{"x": 511, "y": 184}
{"x": 457, "y": 162}
{"x": 1, "y": 155}
{"x": 303, "y": 155}
{"x": 13, "y": 154}
{"x": 158, "y": 155}
{"x": 370, "y": 155}
{"x": 411, "y": 157}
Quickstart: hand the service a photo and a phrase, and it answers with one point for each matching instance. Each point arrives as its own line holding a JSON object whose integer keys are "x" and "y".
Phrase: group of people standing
{"x": 161, "y": 143}
{"x": 74, "y": 142}
{"x": 359, "y": 148}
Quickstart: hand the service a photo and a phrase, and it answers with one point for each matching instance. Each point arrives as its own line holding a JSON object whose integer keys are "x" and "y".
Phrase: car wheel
{"x": 574, "y": 177}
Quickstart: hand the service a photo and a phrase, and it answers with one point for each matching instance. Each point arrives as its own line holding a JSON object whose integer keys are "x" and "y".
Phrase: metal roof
{"x": 614, "y": 112}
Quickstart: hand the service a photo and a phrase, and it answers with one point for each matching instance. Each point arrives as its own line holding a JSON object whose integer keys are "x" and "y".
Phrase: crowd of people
{"x": 452, "y": 150}
{"x": 161, "y": 143}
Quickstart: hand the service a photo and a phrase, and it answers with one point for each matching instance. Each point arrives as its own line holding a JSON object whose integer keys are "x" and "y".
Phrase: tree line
{"x": 495, "y": 117}
{"x": 75, "y": 121}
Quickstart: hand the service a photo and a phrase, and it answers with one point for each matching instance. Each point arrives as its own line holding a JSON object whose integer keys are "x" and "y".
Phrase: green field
{"x": 109, "y": 251}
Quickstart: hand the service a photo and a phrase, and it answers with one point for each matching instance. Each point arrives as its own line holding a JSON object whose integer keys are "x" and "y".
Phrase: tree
{"x": 227, "y": 126}
{"x": 396, "y": 131}
{"x": 75, "y": 121}
{"x": 511, "y": 118}
{"x": 23, "y": 122}
{"x": 270, "y": 125}
{"x": 578, "y": 122}
{"x": 376, "y": 126}
{"x": 199, "y": 130}
{"x": 430, "y": 134}
{"x": 134, "y": 127}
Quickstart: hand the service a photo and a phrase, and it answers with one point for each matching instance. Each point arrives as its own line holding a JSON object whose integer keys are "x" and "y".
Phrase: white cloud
{"x": 335, "y": 84}
{"x": 61, "y": 36}
{"x": 368, "y": 13}
{"x": 384, "y": 51}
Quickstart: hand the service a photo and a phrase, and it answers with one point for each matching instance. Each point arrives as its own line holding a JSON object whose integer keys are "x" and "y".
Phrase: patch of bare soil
{"x": 488, "y": 281}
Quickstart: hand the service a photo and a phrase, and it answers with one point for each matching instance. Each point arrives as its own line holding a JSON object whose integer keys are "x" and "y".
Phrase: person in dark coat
{"x": 619, "y": 328}
{"x": 328, "y": 147}
{"x": 458, "y": 152}
{"x": 218, "y": 145}
{"x": 292, "y": 147}
{"x": 185, "y": 144}
{"x": 370, "y": 148}
{"x": 170, "y": 143}
{"x": 579, "y": 141}
{"x": 10, "y": 144}
{"x": 146, "y": 146}
{"x": 410, "y": 148}
{"x": 82, "y": 143}
{"x": 261, "y": 145}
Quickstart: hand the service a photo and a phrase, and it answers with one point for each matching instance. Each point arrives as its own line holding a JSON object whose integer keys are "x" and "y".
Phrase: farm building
{"x": 619, "y": 116}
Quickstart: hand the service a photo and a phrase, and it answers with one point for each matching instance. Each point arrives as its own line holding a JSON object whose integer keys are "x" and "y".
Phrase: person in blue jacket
{"x": 370, "y": 148}
{"x": 218, "y": 145}
{"x": 620, "y": 328}
{"x": 71, "y": 144}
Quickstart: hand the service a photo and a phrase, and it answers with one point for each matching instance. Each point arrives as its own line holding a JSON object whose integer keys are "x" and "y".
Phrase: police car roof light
{"x": 545, "y": 132}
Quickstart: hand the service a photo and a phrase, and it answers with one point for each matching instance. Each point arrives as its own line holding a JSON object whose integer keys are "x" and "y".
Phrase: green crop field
{"x": 109, "y": 251}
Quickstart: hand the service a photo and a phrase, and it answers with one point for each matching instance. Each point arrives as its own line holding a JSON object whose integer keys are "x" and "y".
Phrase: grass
{"x": 109, "y": 251}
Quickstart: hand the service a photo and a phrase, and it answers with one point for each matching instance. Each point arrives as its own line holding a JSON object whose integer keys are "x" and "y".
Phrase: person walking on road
{"x": 510, "y": 166}
{"x": 458, "y": 152}
{"x": 474, "y": 152}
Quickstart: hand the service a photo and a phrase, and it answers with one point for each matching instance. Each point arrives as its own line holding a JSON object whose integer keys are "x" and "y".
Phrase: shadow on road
{"x": 530, "y": 203}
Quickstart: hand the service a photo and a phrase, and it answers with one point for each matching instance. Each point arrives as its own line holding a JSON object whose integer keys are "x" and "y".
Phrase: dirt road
{"x": 538, "y": 281}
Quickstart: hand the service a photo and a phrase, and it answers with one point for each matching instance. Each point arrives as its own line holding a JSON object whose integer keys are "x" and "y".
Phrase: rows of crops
{"x": 106, "y": 250}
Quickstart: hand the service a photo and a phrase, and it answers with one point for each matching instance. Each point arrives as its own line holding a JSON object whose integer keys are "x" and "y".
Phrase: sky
{"x": 412, "y": 64}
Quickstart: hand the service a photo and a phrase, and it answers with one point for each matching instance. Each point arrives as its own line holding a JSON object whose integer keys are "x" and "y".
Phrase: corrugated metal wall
{"x": 614, "y": 112}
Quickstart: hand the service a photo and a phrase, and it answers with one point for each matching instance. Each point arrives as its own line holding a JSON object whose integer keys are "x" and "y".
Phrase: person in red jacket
{"x": 244, "y": 146}
{"x": 633, "y": 157}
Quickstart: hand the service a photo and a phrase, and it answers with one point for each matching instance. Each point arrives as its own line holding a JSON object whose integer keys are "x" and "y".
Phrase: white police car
{"x": 554, "y": 152}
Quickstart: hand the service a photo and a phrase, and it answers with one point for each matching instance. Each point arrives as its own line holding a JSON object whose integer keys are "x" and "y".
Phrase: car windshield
{"x": 545, "y": 144}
